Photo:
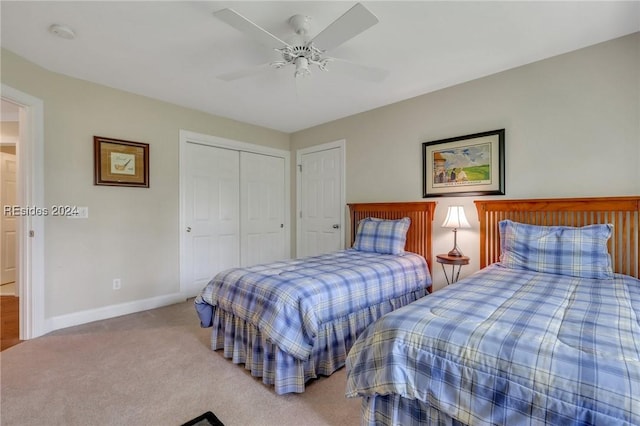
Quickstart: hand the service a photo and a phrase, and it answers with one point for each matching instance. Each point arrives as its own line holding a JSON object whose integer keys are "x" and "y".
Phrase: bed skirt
{"x": 393, "y": 409}
{"x": 243, "y": 343}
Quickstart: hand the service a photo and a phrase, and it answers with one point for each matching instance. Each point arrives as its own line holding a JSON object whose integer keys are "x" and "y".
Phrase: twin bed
{"x": 548, "y": 332}
{"x": 293, "y": 320}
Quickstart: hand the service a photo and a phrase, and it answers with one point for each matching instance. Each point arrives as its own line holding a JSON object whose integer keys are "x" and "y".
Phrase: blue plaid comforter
{"x": 289, "y": 300}
{"x": 510, "y": 347}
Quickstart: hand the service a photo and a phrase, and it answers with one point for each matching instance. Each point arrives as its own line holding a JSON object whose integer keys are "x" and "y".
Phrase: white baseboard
{"x": 106, "y": 312}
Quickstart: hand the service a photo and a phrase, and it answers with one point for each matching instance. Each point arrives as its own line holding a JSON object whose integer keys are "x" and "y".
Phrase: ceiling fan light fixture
{"x": 302, "y": 67}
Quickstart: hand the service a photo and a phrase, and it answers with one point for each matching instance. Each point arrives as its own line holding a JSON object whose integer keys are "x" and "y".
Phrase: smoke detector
{"x": 62, "y": 31}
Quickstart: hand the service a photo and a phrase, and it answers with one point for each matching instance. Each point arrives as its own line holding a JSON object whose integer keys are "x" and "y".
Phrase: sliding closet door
{"x": 262, "y": 206}
{"x": 212, "y": 216}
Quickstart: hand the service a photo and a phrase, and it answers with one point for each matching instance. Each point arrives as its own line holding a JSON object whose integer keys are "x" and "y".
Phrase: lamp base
{"x": 455, "y": 252}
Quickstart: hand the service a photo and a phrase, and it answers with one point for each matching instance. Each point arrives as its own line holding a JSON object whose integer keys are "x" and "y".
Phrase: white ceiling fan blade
{"x": 353, "y": 22}
{"x": 250, "y": 29}
{"x": 362, "y": 72}
{"x": 247, "y": 72}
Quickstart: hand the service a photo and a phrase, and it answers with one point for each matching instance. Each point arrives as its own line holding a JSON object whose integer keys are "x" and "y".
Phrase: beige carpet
{"x": 151, "y": 368}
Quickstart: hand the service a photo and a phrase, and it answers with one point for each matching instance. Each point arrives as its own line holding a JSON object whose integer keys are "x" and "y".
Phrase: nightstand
{"x": 445, "y": 259}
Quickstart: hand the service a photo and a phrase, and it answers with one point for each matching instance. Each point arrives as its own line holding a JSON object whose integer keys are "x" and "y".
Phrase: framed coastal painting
{"x": 464, "y": 165}
{"x": 120, "y": 163}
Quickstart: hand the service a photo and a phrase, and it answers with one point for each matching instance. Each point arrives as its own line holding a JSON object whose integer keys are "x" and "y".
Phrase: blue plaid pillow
{"x": 382, "y": 236}
{"x": 565, "y": 250}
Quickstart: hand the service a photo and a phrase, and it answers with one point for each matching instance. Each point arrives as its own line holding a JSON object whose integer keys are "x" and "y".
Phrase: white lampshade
{"x": 456, "y": 218}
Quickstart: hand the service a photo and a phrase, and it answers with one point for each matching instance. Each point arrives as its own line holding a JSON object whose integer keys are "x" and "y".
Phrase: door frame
{"x": 187, "y": 136}
{"x": 31, "y": 229}
{"x": 340, "y": 144}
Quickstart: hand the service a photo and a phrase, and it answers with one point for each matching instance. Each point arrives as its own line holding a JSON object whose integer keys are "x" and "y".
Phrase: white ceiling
{"x": 173, "y": 51}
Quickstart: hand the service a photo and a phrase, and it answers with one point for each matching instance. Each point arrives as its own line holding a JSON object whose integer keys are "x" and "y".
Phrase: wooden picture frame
{"x": 464, "y": 165}
{"x": 120, "y": 163}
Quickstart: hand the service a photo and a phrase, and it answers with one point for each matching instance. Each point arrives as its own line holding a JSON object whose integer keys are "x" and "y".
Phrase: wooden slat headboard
{"x": 420, "y": 213}
{"x": 622, "y": 212}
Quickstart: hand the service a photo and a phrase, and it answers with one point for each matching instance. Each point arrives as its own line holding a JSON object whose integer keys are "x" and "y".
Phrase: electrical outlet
{"x": 116, "y": 284}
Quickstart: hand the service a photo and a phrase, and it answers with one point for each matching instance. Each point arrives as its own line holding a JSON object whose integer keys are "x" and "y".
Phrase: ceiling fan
{"x": 303, "y": 51}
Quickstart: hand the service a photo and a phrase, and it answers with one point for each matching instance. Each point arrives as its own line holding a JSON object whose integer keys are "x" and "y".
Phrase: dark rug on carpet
{"x": 207, "y": 419}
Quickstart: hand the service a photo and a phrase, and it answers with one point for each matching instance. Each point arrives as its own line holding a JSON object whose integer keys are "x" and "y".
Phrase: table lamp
{"x": 455, "y": 219}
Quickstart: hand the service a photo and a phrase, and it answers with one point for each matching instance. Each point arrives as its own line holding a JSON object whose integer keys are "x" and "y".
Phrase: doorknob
{"x": 336, "y": 226}
{"x": 188, "y": 229}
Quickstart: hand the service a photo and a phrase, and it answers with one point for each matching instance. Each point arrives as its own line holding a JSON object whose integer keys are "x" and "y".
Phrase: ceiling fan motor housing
{"x": 290, "y": 54}
{"x": 300, "y": 46}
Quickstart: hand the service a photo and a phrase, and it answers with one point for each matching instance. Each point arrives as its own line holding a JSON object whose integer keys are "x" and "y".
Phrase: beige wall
{"x": 572, "y": 129}
{"x": 9, "y": 130}
{"x": 131, "y": 233}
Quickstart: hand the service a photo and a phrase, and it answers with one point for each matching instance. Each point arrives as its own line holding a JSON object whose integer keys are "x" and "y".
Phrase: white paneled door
{"x": 8, "y": 225}
{"x": 321, "y": 201}
{"x": 212, "y": 215}
{"x": 262, "y": 183}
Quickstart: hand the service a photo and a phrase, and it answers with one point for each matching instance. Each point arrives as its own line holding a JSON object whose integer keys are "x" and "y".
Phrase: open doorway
{"x": 29, "y": 190}
{"x": 9, "y": 273}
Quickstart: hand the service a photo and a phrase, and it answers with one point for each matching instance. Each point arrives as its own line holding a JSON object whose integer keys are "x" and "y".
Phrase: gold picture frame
{"x": 120, "y": 163}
